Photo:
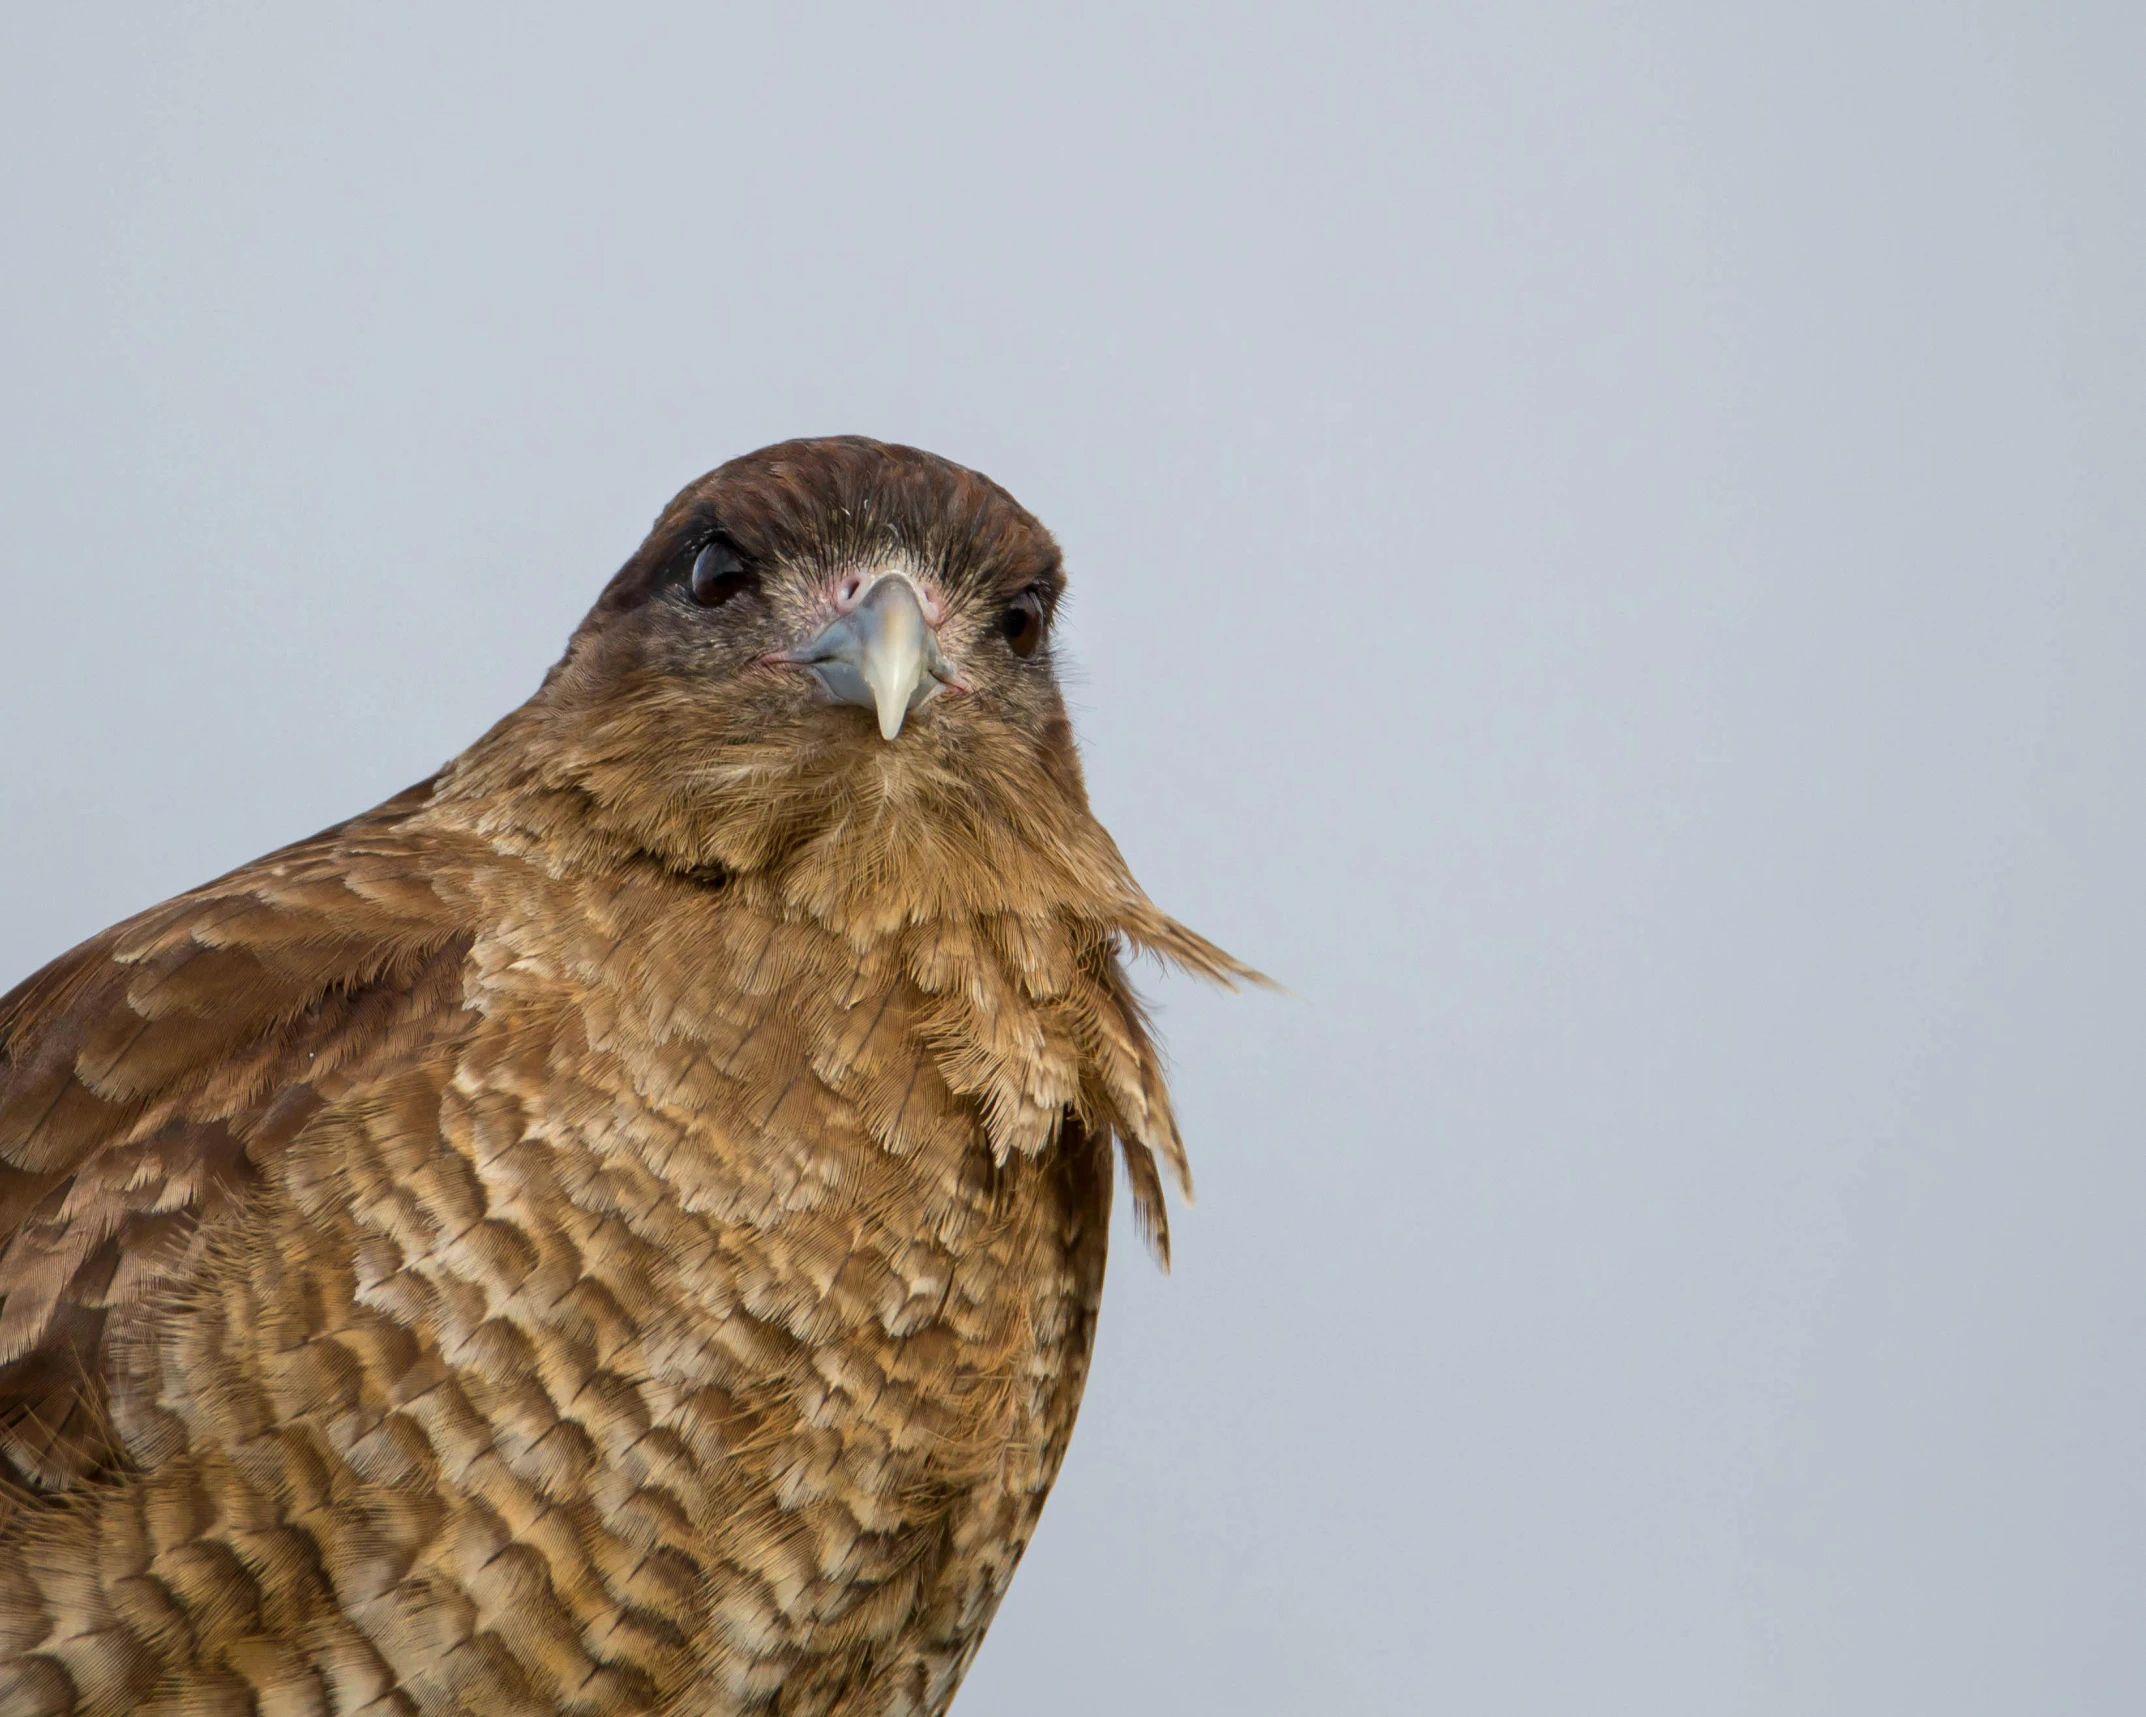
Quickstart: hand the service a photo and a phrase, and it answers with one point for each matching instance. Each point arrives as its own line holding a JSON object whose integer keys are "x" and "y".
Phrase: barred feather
{"x": 619, "y": 1227}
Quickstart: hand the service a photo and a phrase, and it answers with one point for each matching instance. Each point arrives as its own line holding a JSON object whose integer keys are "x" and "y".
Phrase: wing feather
{"x": 147, "y": 1076}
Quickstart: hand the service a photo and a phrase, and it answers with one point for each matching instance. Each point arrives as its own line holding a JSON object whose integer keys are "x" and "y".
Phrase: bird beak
{"x": 881, "y": 655}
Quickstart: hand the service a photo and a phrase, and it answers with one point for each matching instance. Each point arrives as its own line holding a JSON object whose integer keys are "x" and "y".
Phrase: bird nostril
{"x": 850, "y": 587}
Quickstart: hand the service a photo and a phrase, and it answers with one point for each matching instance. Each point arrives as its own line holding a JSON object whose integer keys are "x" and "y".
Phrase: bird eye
{"x": 719, "y": 573}
{"x": 1022, "y": 624}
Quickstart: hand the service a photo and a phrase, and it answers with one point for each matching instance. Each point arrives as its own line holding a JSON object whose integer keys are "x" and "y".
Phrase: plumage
{"x": 619, "y": 1226}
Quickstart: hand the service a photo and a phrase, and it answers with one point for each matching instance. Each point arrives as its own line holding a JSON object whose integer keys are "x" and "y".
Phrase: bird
{"x": 619, "y": 1226}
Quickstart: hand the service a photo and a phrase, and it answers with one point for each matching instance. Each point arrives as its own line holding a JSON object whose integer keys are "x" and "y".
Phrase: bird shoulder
{"x": 147, "y": 1076}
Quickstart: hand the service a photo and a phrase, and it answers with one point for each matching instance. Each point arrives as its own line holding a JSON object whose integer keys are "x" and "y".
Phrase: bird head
{"x": 833, "y": 650}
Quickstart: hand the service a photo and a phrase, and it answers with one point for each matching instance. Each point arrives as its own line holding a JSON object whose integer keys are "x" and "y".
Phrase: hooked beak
{"x": 881, "y": 655}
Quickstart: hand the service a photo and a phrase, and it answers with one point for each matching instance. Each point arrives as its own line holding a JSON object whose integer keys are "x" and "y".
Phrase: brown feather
{"x": 619, "y": 1227}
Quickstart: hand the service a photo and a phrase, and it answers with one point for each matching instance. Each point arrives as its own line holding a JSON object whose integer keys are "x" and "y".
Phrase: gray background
{"x": 1606, "y": 555}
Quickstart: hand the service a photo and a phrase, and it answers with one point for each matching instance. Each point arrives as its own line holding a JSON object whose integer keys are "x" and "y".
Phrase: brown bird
{"x": 619, "y": 1226}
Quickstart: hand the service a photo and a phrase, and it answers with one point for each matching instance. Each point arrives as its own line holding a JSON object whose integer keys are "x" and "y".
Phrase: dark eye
{"x": 1022, "y": 623}
{"x": 719, "y": 573}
